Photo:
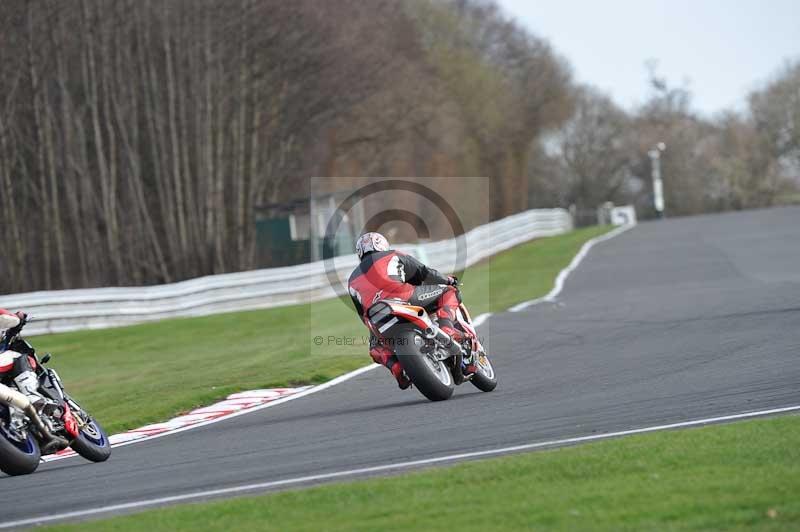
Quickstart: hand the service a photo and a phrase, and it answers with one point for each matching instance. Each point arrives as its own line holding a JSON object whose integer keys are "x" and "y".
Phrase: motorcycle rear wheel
{"x": 431, "y": 377}
{"x": 18, "y": 458}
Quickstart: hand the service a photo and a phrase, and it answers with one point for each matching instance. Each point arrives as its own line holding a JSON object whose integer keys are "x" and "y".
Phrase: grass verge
{"x": 742, "y": 476}
{"x": 131, "y": 376}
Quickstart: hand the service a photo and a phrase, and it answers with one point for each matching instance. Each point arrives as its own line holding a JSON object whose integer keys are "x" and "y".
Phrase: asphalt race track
{"x": 671, "y": 321}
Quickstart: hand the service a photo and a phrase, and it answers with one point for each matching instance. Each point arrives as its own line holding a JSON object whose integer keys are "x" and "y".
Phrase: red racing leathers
{"x": 394, "y": 275}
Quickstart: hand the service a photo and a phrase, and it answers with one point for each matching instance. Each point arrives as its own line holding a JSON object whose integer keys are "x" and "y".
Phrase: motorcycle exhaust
{"x": 14, "y": 398}
{"x": 443, "y": 338}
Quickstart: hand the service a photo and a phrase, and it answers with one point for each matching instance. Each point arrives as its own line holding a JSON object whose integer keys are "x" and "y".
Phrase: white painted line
{"x": 576, "y": 261}
{"x": 234, "y": 490}
{"x": 526, "y": 304}
{"x": 128, "y": 439}
{"x": 477, "y": 322}
{"x": 205, "y": 416}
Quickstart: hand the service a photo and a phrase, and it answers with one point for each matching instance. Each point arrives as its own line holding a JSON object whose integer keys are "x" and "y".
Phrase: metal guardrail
{"x": 97, "y": 308}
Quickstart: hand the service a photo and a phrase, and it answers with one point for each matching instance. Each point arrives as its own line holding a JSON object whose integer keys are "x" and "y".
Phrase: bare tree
{"x": 138, "y": 136}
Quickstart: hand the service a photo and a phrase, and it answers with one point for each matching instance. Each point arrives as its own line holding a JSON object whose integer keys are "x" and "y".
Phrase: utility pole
{"x": 658, "y": 185}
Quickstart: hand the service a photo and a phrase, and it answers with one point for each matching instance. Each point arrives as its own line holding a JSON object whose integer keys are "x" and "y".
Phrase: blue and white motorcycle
{"x": 57, "y": 421}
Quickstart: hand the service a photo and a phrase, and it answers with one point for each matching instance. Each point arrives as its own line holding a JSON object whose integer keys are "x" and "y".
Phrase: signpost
{"x": 658, "y": 185}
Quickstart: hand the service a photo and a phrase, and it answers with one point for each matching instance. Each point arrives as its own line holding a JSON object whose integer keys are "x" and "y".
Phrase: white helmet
{"x": 371, "y": 242}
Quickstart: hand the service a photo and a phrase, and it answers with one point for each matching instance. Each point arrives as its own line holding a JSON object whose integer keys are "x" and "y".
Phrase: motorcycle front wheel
{"x": 485, "y": 378}
{"x": 92, "y": 442}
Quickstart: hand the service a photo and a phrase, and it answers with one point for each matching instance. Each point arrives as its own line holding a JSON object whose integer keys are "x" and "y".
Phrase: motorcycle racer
{"x": 20, "y": 368}
{"x": 387, "y": 274}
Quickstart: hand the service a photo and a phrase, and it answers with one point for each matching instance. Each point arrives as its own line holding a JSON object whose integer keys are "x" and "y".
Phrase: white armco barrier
{"x": 97, "y": 308}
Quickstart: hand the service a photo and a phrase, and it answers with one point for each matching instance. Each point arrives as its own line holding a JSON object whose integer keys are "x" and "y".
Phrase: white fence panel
{"x": 96, "y": 308}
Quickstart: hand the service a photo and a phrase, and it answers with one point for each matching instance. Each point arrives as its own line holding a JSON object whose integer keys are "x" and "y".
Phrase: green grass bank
{"x": 742, "y": 476}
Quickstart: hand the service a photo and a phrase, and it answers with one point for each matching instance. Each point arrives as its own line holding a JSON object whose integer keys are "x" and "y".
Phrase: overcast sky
{"x": 719, "y": 49}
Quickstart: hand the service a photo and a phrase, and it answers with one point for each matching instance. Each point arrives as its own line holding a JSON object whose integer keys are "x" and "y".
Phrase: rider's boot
{"x": 385, "y": 357}
{"x": 447, "y": 306}
{"x": 453, "y": 332}
{"x": 28, "y": 383}
{"x": 399, "y": 373}
{"x": 446, "y": 314}
{"x": 458, "y": 337}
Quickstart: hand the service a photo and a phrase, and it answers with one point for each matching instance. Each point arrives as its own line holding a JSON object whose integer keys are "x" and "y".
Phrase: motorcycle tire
{"x": 18, "y": 458}
{"x": 431, "y": 377}
{"x": 485, "y": 379}
{"x": 92, "y": 443}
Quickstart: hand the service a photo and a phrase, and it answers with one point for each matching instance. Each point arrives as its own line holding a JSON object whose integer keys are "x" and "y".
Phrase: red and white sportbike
{"x": 433, "y": 362}
{"x": 26, "y": 431}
